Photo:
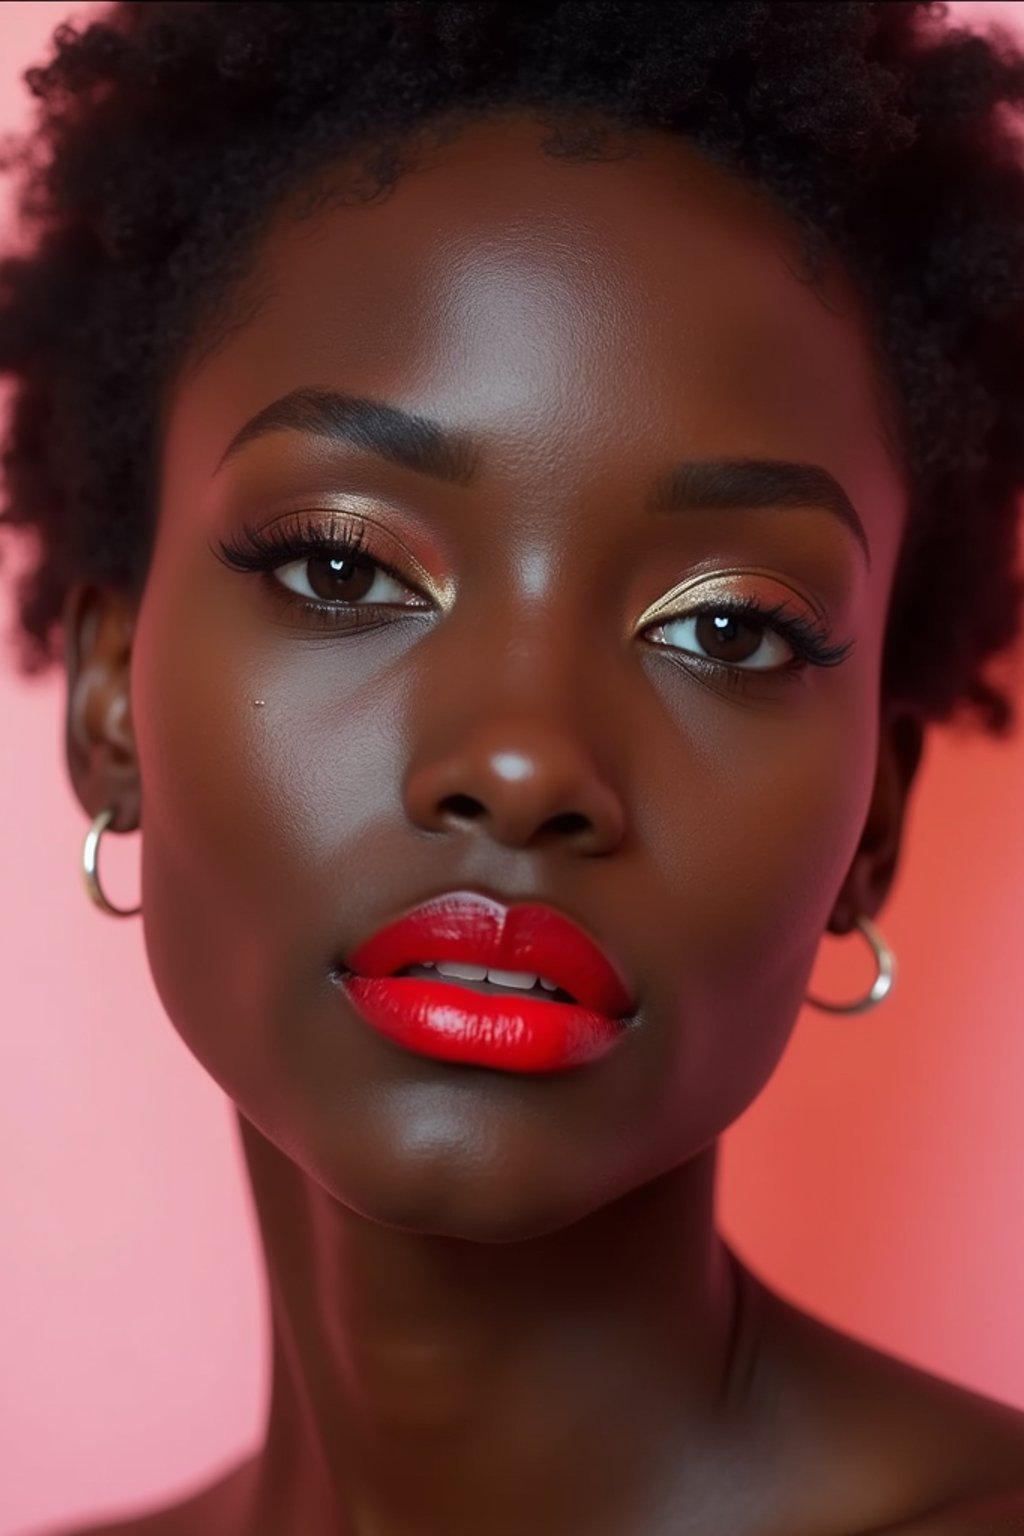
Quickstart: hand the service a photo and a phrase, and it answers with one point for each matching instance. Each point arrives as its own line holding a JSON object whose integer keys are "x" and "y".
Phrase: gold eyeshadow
{"x": 381, "y": 541}
{"x": 732, "y": 582}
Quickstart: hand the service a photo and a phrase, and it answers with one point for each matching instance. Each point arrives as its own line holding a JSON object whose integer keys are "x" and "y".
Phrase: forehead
{"x": 547, "y": 306}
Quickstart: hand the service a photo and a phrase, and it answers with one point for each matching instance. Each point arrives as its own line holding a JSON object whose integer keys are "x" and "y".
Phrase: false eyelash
{"x": 809, "y": 640}
{"x": 259, "y": 549}
{"x": 263, "y": 550}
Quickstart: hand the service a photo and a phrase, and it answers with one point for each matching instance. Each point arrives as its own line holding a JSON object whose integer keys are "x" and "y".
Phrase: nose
{"x": 525, "y": 777}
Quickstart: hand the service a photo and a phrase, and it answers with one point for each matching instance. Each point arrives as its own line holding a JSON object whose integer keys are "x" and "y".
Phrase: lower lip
{"x": 484, "y": 1029}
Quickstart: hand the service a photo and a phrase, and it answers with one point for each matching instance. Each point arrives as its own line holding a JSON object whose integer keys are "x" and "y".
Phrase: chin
{"x": 475, "y": 1160}
{"x": 465, "y": 1219}
{"x": 440, "y": 1187}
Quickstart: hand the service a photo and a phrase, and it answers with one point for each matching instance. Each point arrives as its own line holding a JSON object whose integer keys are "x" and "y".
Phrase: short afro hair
{"x": 167, "y": 132}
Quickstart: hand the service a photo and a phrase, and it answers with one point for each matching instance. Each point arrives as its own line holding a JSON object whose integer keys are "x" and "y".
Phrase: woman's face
{"x": 535, "y": 723}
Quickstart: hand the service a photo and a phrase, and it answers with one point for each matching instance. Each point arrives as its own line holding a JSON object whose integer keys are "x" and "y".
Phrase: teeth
{"x": 459, "y": 970}
{"x": 523, "y": 979}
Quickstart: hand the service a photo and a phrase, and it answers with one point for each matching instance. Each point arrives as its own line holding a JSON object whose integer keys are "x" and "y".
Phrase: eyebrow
{"x": 416, "y": 442}
{"x": 733, "y": 484}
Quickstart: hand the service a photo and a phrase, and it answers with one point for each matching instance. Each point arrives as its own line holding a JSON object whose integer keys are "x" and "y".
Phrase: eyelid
{"x": 719, "y": 585}
{"x": 337, "y": 518}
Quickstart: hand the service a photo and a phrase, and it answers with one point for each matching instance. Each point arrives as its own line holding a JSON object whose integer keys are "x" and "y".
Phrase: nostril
{"x": 462, "y": 805}
{"x": 568, "y": 821}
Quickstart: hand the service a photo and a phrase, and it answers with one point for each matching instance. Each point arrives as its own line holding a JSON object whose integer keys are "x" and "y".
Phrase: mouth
{"x": 465, "y": 978}
{"x": 474, "y": 941}
{"x": 479, "y": 978}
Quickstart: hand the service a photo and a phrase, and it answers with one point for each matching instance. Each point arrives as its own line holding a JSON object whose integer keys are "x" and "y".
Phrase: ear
{"x": 98, "y": 625}
{"x": 867, "y": 886}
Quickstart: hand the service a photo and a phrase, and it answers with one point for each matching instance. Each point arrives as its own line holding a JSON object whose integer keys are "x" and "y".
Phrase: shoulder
{"x": 898, "y": 1449}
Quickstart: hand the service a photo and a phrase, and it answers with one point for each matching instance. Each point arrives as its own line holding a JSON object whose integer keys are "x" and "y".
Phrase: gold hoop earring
{"x": 883, "y": 982}
{"x": 90, "y": 861}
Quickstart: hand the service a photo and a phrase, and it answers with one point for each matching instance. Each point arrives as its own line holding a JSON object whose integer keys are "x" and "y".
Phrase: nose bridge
{"x": 509, "y": 732}
{"x": 534, "y": 647}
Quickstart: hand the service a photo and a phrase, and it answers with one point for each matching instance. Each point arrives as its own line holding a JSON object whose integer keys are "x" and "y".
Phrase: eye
{"x": 722, "y": 635}
{"x": 340, "y": 578}
{"x": 327, "y": 573}
{"x": 739, "y": 634}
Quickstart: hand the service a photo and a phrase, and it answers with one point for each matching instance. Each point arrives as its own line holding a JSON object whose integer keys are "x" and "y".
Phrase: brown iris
{"x": 346, "y": 579}
{"x": 725, "y": 631}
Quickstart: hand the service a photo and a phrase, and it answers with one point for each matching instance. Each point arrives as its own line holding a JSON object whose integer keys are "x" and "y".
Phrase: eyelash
{"x": 810, "y": 641}
{"x": 259, "y": 550}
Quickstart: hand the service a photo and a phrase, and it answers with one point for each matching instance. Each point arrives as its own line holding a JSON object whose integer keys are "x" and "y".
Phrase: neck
{"x": 432, "y": 1384}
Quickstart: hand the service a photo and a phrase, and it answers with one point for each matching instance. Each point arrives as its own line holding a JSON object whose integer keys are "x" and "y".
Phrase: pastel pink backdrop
{"x": 878, "y": 1181}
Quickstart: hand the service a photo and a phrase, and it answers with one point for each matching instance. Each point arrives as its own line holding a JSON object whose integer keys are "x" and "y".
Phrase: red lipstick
{"x": 575, "y": 1018}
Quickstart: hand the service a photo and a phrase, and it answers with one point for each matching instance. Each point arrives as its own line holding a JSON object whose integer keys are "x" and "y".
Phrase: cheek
{"x": 753, "y": 812}
{"x": 752, "y": 819}
{"x": 253, "y": 814}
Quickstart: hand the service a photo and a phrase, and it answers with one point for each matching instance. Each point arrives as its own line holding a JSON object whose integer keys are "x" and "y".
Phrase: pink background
{"x": 878, "y": 1181}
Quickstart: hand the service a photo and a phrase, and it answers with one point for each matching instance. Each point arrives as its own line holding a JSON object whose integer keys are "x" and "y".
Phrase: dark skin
{"x": 500, "y": 1303}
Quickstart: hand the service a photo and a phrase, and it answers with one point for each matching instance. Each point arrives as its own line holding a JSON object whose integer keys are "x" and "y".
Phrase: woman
{"x": 513, "y": 486}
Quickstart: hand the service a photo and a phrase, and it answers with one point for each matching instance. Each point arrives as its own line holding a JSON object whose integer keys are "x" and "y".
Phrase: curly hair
{"x": 166, "y": 132}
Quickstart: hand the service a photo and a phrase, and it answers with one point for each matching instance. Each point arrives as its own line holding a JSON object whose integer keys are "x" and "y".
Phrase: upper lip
{"x": 531, "y": 937}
